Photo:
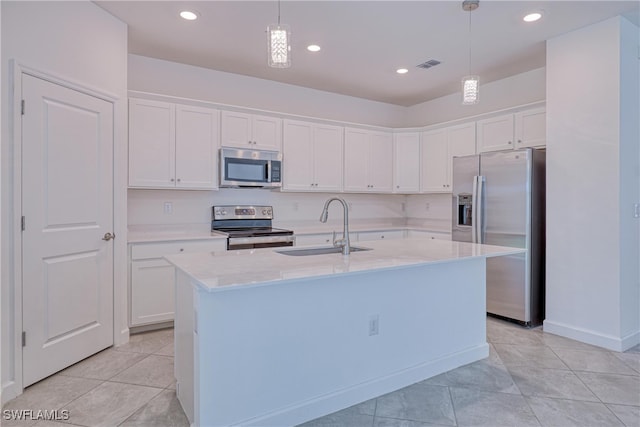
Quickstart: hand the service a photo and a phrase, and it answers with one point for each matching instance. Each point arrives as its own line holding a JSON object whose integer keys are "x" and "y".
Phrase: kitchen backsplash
{"x": 149, "y": 207}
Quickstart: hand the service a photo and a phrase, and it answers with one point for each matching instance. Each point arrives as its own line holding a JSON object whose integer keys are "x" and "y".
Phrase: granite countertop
{"x": 163, "y": 233}
{"x": 231, "y": 270}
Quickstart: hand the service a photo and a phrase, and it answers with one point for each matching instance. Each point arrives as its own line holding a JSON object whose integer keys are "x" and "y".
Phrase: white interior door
{"x": 67, "y": 204}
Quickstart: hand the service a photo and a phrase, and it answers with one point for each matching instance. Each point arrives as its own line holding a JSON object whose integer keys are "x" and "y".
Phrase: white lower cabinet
{"x": 364, "y": 236}
{"x": 152, "y": 278}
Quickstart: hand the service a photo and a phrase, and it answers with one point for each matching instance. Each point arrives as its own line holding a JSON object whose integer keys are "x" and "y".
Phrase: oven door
{"x": 234, "y": 243}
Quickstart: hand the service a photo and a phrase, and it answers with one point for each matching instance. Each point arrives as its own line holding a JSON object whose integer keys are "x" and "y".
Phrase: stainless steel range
{"x": 249, "y": 227}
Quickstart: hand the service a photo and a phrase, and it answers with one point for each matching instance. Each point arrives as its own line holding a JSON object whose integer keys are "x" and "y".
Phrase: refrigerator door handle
{"x": 474, "y": 210}
{"x": 479, "y": 210}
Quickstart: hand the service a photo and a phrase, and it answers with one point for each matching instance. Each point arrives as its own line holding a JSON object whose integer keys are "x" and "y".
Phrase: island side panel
{"x": 289, "y": 352}
{"x": 184, "y": 343}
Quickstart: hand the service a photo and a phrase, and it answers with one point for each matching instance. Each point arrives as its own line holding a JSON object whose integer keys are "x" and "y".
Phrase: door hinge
{"x": 24, "y": 338}
{"x": 22, "y": 223}
{"x": 22, "y": 107}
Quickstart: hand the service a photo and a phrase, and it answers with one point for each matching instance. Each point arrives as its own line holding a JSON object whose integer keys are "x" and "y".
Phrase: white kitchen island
{"x": 267, "y": 339}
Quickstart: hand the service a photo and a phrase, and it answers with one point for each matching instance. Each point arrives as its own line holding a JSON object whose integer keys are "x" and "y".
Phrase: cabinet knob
{"x": 397, "y": 186}
{"x": 172, "y": 180}
{"x": 181, "y": 249}
{"x": 519, "y": 141}
{"x": 178, "y": 179}
{"x": 509, "y": 142}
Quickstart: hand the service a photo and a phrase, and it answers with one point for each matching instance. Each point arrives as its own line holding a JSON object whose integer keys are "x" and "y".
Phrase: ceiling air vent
{"x": 428, "y": 64}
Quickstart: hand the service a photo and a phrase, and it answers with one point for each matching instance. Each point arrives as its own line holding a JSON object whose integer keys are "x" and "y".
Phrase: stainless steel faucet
{"x": 344, "y": 242}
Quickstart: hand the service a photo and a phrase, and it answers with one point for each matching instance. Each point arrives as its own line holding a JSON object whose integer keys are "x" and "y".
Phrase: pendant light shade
{"x": 279, "y": 46}
{"x": 470, "y": 90}
{"x": 470, "y": 84}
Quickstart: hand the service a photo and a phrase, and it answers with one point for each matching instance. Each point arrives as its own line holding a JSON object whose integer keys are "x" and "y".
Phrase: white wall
{"x": 592, "y": 183}
{"x": 187, "y": 81}
{"x": 524, "y": 88}
{"x": 80, "y": 43}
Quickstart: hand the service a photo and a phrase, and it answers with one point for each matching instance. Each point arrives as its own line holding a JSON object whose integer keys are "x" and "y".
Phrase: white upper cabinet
{"x": 406, "y": 162}
{"x": 434, "y": 161}
{"x": 368, "y": 161}
{"x": 496, "y": 133}
{"x": 172, "y": 145}
{"x": 531, "y": 128}
{"x": 312, "y": 157}
{"x": 523, "y": 129}
{"x": 439, "y": 147}
{"x": 251, "y": 131}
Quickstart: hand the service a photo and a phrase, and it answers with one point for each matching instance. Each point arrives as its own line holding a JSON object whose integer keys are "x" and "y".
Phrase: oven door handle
{"x": 260, "y": 239}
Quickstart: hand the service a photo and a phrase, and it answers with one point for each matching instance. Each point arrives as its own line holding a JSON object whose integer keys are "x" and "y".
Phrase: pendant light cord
{"x": 469, "y": 41}
{"x": 278, "y": 13}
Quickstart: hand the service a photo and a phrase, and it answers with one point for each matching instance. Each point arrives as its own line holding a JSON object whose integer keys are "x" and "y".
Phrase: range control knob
{"x": 223, "y": 212}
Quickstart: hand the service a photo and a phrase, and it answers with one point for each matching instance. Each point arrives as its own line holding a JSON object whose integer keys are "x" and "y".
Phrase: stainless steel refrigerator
{"x": 499, "y": 199}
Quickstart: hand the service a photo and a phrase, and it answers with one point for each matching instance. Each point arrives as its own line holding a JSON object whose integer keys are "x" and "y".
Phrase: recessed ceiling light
{"x": 532, "y": 17}
{"x": 188, "y": 15}
{"x": 313, "y": 48}
{"x": 402, "y": 71}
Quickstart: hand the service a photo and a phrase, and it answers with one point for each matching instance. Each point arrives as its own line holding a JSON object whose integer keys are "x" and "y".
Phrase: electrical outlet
{"x": 168, "y": 208}
{"x": 295, "y": 206}
{"x": 427, "y": 206}
{"x": 350, "y": 206}
{"x": 374, "y": 324}
{"x": 404, "y": 206}
{"x": 636, "y": 210}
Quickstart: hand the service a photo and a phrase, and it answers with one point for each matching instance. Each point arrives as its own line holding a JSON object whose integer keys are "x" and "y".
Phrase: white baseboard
{"x": 599, "y": 339}
{"x": 341, "y": 399}
{"x": 9, "y": 391}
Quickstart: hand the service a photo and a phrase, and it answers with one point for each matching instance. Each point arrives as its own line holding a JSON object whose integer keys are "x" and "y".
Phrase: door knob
{"x": 108, "y": 236}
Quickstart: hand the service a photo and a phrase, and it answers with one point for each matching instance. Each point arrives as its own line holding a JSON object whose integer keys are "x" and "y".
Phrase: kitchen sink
{"x": 319, "y": 251}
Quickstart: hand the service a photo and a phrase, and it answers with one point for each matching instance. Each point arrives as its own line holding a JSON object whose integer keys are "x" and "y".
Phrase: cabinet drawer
{"x": 158, "y": 250}
{"x": 380, "y": 235}
{"x": 419, "y": 234}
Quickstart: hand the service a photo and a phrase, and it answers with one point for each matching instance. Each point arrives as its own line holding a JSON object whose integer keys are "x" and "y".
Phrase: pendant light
{"x": 279, "y": 44}
{"x": 470, "y": 83}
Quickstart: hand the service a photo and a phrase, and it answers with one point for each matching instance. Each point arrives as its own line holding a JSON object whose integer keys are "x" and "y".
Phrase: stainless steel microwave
{"x": 250, "y": 168}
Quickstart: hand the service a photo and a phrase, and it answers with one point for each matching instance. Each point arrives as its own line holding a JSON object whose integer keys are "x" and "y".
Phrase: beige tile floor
{"x": 530, "y": 379}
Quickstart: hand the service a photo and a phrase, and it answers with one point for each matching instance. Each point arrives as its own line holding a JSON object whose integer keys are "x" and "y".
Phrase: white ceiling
{"x": 363, "y": 42}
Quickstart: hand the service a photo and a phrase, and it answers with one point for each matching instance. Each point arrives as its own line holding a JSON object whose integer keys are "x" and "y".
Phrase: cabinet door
{"x": 298, "y": 156}
{"x": 356, "y": 160}
{"x": 314, "y": 239}
{"x": 461, "y": 141}
{"x": 434, "y": 161}
{"x": 266, "y": 133}
{"x": 328, "y": 157}
{"x": 235, "y": 130}
{"x": 495, "y": 134}
{"x": 196, "y": 147}
{"x": 406, "y": 162}
{"x": 381, "y": 162}
{"x": 152, "y": 291}
{"x": 531, "y": 128}
{"x": 151, "y": 144}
